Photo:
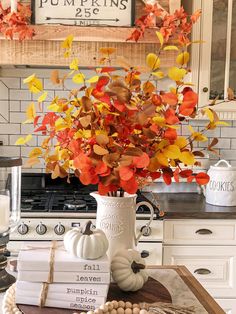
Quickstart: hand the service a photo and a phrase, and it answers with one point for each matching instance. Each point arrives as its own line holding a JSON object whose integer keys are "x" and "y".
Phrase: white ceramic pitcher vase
{"x": 116, "y": 216}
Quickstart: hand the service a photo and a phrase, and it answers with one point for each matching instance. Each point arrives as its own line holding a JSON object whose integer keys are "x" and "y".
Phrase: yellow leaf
{"x": 29, "y": 79}
{"x": 176, "y": 74}
{"x": 36, "y": 152}
{"x": 35, "y": 86}
{"x": 159, "y": 120}
{"x": 158, "y": 74}
{"x": 54, "y": 107}
{"x": 162, "y": 159}
{"x": 93, "y": 79}
{"x": 181, "y": 142}
{"x": 78, "y": 78}
{"x": 67, "y": 43}
{"x": 187, "y": 158}
{"x": 210, "y": 114}
{"x": 171, "y": 48}
{"x": 183, "y": 58}
{"x": 172, "y": 152}
{"x": 75, "y": 64}
{"x": 30, "y": 113}
{"x": 43, "y": 97}
{"x": 23, "y": 140}
{"x": 20, "y": 141}
{"x": 152, "y": 61}
{"x": 160, "y": 37}
{"x": 60, "y": 124}
{"x": 67, "y": 54}
{"x": 82, "y": 134}
{"x": 222, "y": 123}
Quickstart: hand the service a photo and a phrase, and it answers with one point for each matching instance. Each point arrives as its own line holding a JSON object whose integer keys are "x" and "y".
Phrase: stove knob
{"x": 41, "y": 229}
{"x": 23, "y": 228}
{"x": 146, "y": 231}
{"x": 59, "y": 229}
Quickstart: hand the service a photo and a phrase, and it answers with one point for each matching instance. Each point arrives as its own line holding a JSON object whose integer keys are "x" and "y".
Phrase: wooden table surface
{"x": 153, "y": 291}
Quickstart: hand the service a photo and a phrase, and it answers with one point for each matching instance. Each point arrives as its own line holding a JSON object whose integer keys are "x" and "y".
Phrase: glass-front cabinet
{"x": 217, "y": 55}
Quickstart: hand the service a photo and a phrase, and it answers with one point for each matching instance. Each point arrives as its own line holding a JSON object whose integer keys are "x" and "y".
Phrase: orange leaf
{"x": 171, "y": 117}
{"x": 126, "y": 173}
{"x": 185, "y": 173}
{"x": 176, "y": 175}
{"x": 190, "y": 100}
{"x": 167, "y": 178}
{"x": 101, "y": 167}
{"x": 170, "y": 99}
{"x": 170, "y": 134}
{"x": 130, "y": 186}
{"x": 202, "y": 178}
{"x": 141, "y": 161}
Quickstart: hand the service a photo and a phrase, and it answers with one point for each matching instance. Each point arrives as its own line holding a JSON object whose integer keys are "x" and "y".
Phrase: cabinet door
{"x": 218, "y": 54}
{"x": 228, "y": 305}
{"x": 213, "y": 266}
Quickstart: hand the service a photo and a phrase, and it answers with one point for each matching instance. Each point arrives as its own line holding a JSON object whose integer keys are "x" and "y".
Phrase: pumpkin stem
{"x": 87, "y": 228}
{"x": 136, "y": 267}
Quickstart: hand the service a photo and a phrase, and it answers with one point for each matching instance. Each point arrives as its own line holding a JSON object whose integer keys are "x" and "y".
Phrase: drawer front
{"x": 153, "y": 252}
{"x": 228, "y": 305}
{"x": 214, "y": 267}
{"x": 194, "y": 232}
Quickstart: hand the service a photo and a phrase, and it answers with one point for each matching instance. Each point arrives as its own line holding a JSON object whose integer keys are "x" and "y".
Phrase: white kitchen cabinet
{"x": 214, "y": 61}
{"x": 218, "y": 54}
{"x": 200, "y": 232}
{"x": 207, "y": 247}
{"x": 229, "y": 306}
{"x": 214, "y": 267}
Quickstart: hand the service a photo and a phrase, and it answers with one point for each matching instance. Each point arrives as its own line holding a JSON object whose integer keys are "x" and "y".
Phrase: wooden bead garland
{"x": 118, "y": 307}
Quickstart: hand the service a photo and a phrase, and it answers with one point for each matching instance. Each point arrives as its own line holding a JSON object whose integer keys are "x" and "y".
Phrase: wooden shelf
{"x": 45, "y": 48}
{"x": 92, "y": 33}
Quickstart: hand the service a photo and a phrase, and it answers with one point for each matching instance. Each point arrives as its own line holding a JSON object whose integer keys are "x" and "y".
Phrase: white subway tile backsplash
{"x": 229, "y": 132}
{"x": 15, "y": 98}
{"x": 17, "y": 94}
{"x": 17, "y": 117}
{"x": 27, "y": 128}
{"x": 10, "y": 151}
{"x": 10, "y": 128}
{"x": 3, "y": 91}
{"x": 15, "y": 105}
{"x": 11, "y": 82}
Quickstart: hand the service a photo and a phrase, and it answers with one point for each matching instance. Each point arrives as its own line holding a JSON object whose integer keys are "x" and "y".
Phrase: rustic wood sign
{"x": 84, "y": 12}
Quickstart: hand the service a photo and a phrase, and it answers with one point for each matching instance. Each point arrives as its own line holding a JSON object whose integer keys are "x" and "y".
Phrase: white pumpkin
{"x": 128, "y": 270}
{"x": 86, "y": 243}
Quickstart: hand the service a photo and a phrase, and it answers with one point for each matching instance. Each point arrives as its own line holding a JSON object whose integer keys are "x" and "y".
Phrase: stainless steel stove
{"x": 51, "y": 207}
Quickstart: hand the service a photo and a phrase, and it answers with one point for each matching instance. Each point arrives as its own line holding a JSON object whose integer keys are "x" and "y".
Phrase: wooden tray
{"x": 152, "y": 291}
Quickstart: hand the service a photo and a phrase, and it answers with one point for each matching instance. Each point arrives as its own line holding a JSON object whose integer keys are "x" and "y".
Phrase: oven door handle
{"x": 145, "y": 254}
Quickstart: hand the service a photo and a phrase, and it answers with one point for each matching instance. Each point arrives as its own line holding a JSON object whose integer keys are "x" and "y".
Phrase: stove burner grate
{"x": 73, "y": 204}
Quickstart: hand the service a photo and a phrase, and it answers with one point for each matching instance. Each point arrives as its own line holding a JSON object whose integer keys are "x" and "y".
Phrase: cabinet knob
{"x": 205, "y": 89}
{"x": 203, "y": 231}
{"x": 202, "y": 271}
{"x": 145, "y": 254}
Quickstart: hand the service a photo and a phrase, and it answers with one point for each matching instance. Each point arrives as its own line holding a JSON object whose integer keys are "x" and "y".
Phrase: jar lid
{"x": 10, "y": 162}
{"x": 226, "y": 167}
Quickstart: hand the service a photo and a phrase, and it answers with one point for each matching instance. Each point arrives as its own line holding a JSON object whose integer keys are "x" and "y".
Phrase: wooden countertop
{"x": 191, "y": 206}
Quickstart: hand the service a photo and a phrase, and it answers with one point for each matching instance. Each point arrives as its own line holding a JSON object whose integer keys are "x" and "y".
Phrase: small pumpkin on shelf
{"x": 86, "y": 243}
{"x": 128, "y": 270}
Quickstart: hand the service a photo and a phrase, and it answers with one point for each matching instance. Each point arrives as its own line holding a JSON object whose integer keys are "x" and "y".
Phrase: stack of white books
{"x": 77, "y": 284}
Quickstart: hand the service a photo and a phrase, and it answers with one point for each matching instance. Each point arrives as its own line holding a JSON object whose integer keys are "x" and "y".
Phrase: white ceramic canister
{"x": 221, "y": 189}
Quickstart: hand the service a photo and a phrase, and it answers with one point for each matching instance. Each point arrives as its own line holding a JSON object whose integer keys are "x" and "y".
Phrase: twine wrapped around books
{"x": 45, "y": 286}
